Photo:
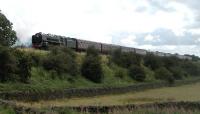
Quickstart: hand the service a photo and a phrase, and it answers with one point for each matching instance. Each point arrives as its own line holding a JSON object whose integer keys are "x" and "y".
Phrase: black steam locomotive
{"x": 40, "y": 40}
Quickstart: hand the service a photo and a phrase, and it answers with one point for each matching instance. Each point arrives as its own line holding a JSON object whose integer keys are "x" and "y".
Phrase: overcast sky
{"x": 163, "y": 25}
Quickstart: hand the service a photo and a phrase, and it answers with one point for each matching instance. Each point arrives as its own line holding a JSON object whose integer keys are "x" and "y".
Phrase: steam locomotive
{"x": 41, "y": 40}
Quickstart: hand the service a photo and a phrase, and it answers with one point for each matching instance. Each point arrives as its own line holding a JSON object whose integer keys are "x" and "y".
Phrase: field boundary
{"x": 103, "y": 109}
{"x": 88, "y": 92}
{"x": 132, "y": 107}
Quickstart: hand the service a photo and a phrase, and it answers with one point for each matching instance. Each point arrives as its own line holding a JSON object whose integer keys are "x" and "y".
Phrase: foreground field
{"x": 181, "y": 93}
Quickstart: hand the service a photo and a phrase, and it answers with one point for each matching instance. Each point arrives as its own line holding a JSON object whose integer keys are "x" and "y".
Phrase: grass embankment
{"x": 181, "y": 93}
{"x": 154, "y": 110}
{"x": 42, "y": 80}
{"x": 6, "y": 110}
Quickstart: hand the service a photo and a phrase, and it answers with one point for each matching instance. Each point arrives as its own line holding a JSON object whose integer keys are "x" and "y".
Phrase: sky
{"x": 158, "y": 25}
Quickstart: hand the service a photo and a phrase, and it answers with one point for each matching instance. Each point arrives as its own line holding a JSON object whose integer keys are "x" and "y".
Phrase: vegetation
{"x": 166, "y": 94}
{"x": 61, "y": 60}
{"x": 152, "y": 110}
{"x": 6, "y": 110}
{"x": 91, "y": 67}
{"x": 124, "y": 59}
{"x": 59, "y": 68}
{"x": 24, "y": 66}
{"x": 164, "y": 74}
{"x": 8, "y": 64}
{"x": 137, "y": 73}
{"x": 7, "y": 35}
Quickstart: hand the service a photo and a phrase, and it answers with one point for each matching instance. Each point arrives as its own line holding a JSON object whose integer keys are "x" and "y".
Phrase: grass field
{"x": 181, "y": 93}
{"x": 6, "y": 110}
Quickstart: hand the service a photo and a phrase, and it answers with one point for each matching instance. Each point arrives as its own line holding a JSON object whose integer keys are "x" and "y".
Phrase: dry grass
{"x": 181, "y": 93}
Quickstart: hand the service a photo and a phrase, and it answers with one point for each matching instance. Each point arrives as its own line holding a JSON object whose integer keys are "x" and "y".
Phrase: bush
{"x": 164, "y": 74}
{"x": 137, "y": 73}
{"x": 62, "y": 60}
{"x": 8, "y": 65}
{"x": 177, "y": 72}
{"x": 171, "y": 62}
{"x": 91, "y": 68}
{"x": 192, "y": 68}
{"x": 152, "y": 61}
{"x": 36, "y": 60}
{"x": 125, "y": 59}
{"x": 120, "y": 73}
{"x": 24, "y": 66}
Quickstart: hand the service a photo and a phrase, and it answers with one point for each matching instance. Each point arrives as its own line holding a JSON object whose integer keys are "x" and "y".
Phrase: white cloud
{"x": 96, "y": 20}
{"x": 150, "y": 37}
{"x": 129, "y": 41}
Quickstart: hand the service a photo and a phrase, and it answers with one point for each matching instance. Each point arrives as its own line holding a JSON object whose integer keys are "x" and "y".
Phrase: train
{"x": 42, "y": 41}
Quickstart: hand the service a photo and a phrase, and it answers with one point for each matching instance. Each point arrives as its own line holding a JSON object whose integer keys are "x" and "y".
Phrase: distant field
{"x": 181, "y": 93}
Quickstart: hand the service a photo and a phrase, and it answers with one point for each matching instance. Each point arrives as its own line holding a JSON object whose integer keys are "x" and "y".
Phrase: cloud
{"x": 129, "y": 41}
{"x": 167, "y": 37}
{"x": 140, "y": 23}
{"x": 149, "y": 37}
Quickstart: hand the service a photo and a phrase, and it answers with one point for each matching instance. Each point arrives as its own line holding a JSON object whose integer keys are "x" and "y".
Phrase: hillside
{"x": 116, "y": 71}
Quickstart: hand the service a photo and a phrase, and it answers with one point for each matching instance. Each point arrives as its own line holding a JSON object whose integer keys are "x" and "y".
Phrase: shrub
{"x": 152, "y": 61}
{"x": 24, "y": 66}
{"x": 36, "y": 60}
{"x": 137, "y": 73}
{"x": 120, "y": 73}
{"x": 177, "y": 72}
{"x": 164, "y": 74}
{"x": 8, "y": 65}
{"x": 91, "y": 68}
{"x": 125, "y": 59}
{"x": 171, "y": 62}
{"x": 62, "y": 60}
{"x": 192, "y": 68}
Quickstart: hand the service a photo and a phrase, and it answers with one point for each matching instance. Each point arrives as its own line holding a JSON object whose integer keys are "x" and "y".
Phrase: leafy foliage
{"x": 8, "y": 64}
{"x": 91, "y": 67}
{"x": 152, "y": 61}
{"x": 125, "y": 59}
{"x": 164, "y": 74}
{"x": 7, "y": 35}
{"x": 192, "y": 68}
{"x": 24, "y": 66}
{"x": 178, "y": 72}
{"x": 120, "y": 73}
{"x": 137, "y": 73}
{"x": 61, "y": 60}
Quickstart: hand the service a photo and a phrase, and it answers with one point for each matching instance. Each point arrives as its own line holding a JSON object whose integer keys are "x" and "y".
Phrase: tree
{"x": 91, "y": 67}
{"x": 137, "y": 73}
{"x": 7, "y": 35}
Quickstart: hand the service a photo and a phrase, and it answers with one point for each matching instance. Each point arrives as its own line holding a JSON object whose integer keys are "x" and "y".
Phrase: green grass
{"x": 6, "y": 110}
{"x": 181, "y": 93}
{"x": 42, "y": 80}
